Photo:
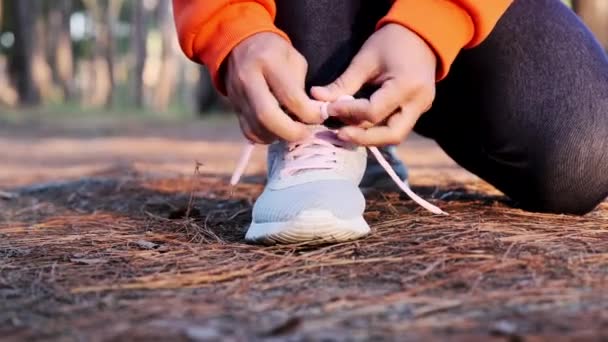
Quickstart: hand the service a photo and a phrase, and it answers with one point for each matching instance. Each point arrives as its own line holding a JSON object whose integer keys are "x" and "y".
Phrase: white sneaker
{"x": 312, "y": 194}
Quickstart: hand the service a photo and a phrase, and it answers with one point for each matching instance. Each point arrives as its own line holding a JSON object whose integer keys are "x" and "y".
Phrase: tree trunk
{"x": 111, "y": 13}
{"x": 61, "y": 55}
{"x": 8, "y": 94}
{"x": 139, "y": 46}
{"x": 108, "y": 42}
{"x": 595, "y": 14}
{"x": 101, "y": 66}
{"x": 167, "y": 78}
{"x": 22, "y": 59}
{"x": 41, "y": 70}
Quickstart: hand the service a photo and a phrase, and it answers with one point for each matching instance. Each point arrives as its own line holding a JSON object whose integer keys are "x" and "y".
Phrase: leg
{"x": 527, "y": 110}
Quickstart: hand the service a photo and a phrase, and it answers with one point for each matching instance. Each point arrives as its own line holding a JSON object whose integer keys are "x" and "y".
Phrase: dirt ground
{"x": 108, "y": 233}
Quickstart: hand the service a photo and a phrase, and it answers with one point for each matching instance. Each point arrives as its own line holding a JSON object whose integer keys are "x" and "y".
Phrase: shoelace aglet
{"x": 242, "y": 164}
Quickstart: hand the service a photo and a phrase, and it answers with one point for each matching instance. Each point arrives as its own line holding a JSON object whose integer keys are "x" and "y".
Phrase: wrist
{"x": 413, "y": 40}
{"x": 443, "y": 25}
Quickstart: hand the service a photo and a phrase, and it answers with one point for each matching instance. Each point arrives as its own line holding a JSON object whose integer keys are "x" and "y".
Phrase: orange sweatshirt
{"x": 209, "y": 29}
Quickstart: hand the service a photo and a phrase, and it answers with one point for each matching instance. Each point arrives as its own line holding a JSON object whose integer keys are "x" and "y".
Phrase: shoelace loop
{"x": 313, "y": 153}
{"x": 319, "y": 153}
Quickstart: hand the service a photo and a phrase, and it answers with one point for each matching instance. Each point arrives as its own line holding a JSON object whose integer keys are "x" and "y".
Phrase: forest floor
{"x": 110, "y": 231}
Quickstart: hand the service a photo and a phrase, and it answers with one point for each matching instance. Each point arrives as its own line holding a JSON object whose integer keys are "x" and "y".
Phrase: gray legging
{"x": 526, "y": 111}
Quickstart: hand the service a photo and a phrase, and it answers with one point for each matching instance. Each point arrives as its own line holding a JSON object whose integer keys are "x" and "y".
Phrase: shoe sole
{"x": 314, "y": 227}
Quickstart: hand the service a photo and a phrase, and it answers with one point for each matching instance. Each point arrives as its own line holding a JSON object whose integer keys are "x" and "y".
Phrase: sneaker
{"x": 312, "y": 194}
{"x": 375, "y": 176}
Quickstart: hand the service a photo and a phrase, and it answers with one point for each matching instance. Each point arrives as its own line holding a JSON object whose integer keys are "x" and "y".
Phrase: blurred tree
{"x": 21, "y": 63}
{"x": 167, "y": 75}
{"x": 42, "y": 73}
{"x": 139, "y": 33}
{"x": 61, "y": 56}
{"x": 102, "y": 68}
{"x": 595, "y": 14}
{"x": 111, "y": 11}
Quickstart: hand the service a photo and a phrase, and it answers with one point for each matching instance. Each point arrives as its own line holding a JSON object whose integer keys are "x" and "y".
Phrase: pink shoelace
{"x": 318, "y": 152}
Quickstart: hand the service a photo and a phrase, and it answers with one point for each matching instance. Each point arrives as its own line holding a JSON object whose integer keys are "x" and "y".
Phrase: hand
{"x": 263, "y": 74}
{"x": 404, "y": 66}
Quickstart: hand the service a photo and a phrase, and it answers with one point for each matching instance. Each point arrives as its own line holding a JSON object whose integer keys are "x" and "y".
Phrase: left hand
{"x": 404, "y": 66}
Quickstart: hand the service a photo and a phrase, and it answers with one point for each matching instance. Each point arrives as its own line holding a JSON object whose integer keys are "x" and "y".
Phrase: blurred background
{"x": 78, "y": 56}
{"x": 110, "y": 55}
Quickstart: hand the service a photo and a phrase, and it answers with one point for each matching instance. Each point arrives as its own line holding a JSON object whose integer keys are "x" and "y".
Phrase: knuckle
{"x": 417, "y": 83}
{"x": 262, "y": 116}
{"x": 266, "y": 55}
{"x": 241, "y": 74}
{"x": 339, "y": 83}
{"x": 427, "y": 93}
{"x": 375, "y": 115}
{"x": 300, "y": 60}
{"x": 250, "y": 52}
{"x": 426, "y": 98}
{"x": 375, "y": 119}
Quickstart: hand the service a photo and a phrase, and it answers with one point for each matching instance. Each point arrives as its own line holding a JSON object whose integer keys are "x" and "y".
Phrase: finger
{"x": 242, "y": 109}
{"x": 248, "y": 132}
{"x": 398, "y": 127}
{"x": 362, "y": 68}
{"x": 383, "y": 102}
{"x": 235, "y": 96}
{"x": 288, "y": 88}
{"x": 348, "y": 111}
{"x": 255, "y": 131}
{"x": 264, "y": 135}
{"x": 268, "y": 112}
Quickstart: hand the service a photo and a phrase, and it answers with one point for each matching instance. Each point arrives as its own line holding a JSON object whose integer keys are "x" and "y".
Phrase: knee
{"x": 567, "y": 182}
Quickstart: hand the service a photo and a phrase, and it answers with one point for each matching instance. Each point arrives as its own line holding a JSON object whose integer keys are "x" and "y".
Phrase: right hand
{"x": 264, "y": 74}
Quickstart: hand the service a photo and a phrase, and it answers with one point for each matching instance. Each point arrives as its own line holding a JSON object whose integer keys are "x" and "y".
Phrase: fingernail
{"x": 317, "y": 89}
{"x": 321, "y": 92}
{"x": 345, "y": 98}
{"x": 324, "y": 112}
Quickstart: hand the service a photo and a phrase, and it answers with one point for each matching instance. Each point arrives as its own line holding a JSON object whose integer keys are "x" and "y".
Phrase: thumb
{"x": 360, "y": 70}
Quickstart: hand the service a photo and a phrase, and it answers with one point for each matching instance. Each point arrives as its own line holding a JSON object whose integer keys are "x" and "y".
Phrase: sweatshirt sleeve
{"x": 209, "y": 29}
{"x": 448, "y": 26}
